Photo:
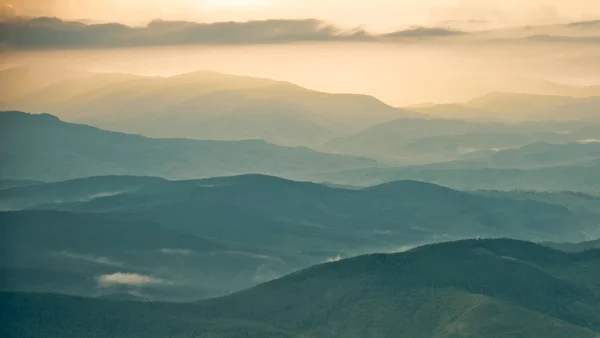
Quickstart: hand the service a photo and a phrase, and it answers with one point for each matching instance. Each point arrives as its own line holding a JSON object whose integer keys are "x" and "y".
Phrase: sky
{"x": 403, "y": 52}
{"x": 378, "y": 15}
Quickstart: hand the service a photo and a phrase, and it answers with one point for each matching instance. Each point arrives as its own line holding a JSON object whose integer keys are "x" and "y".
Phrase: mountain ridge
{"x": 533, "y": 292}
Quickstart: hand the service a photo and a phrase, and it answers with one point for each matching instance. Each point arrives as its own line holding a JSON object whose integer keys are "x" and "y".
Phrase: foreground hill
{"x": 470, "y": 288}
{"x": 242, "y": 230}
{"x": 42, "y": 147}
{"x": 204, "y": 105}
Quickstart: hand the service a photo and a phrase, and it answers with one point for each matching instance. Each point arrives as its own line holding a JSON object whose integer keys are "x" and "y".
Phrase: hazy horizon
{"x": 454, "y": 52}
{"x": 300, "y": 168}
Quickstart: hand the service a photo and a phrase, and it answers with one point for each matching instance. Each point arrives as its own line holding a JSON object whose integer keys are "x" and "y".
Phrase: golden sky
{"x": 422, "y": 66}
{"x": 373, "y": 14}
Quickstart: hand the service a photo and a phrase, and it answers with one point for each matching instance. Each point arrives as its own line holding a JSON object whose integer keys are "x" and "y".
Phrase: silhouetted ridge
{"x": 39, "y": 147}
{"x": 22, "y": 117}
{"x": 413, "y": 188}
{"x": 258, "y": 181}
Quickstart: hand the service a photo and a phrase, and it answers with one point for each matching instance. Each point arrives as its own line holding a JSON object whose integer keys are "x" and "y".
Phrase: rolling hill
{"x": 582, "y": 179}
{"x": 198, "y": 238}
{"x": 540, "y": 155}
{"x": 42, "y": 147}
{"x": 468, "y": 288}
{"x": 517, "y": 106}
{"x": 417, "y": 141}
{"x": 205, "y": 105}
{"x": 574, "y": 247}
{"x": 500, "y": 106}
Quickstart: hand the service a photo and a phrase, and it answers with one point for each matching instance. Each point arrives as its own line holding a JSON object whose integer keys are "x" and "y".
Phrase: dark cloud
{"x": 424, "y": 32}
{"x": 55, "y": 33}
{"x": 585, "y": 23}
{"x": 564, "y": 39}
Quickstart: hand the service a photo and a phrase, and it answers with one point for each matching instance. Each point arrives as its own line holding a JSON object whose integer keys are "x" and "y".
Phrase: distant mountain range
{"x": 583, "y": 179}
{"x": 540, "y": 155}
{"x": 178, "y": 240}
{"x": 473, "y": 288}
{"x": 574, "y": 247}
{"x": 41, "y": 147}
{"x": 420, "y": 141}
{"x": 201, "y": 105}
{"x": 583, "y": 104}
{"x": 211, "y": 105}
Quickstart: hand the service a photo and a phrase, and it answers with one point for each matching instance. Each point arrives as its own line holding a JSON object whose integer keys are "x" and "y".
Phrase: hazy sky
{"x": 301, "y": 43}
{"x": 374, "y": 14}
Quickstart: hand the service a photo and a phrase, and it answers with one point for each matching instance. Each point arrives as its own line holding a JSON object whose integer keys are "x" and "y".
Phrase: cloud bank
{"x": 52, "y": 33}
{"x": 131, "y": 279}
{"x": 55, "y": 33}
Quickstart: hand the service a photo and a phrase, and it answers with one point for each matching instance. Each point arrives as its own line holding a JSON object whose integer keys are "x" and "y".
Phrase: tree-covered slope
{"x": 213, "y": 236}
{"x": 41, "y": 147}
{"x": 469, "y": 288}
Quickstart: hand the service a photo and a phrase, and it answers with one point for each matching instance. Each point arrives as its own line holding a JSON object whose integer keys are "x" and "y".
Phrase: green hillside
{"x": 470, "y": 288}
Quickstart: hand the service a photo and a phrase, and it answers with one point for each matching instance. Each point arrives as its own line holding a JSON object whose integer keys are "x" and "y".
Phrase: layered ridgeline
{"x": 575, "y": 247}
{"x": 470, "y": 144}
{"x": 182, "y": 240}
{"x": 563, "y": 165}
{"x": 581, "y": 104}
{"x": 472, "y": 288}
{"x": 42, "y": 147}
{"x": 204, "y": 105}
{"x": 582, "y": 179}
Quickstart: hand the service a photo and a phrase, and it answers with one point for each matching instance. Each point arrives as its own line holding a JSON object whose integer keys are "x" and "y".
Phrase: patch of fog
{"x": 131, "y": 279}
{"x": 382, "y": 232}
{"x": 465, "y": 150}
{"x": 104, "y": 194}
{"x": 264, "y": 273}
{"x": 249, "y": 254}
{"x": 333, "y": 259}
{"x": 188, "y": 252}
{"x": 499, "y": 149}
{"x": 589, "y": 140}
{"x": 93, "y": 259}
{"x": 176, "y": 252}
{"x": 401, "y": 249}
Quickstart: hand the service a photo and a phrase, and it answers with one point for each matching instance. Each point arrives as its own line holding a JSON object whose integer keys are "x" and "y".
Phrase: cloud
{"x": 333, "y": 259}
{"x": 401, "y": 249}
{"x": 132, "y": 279}
{"x": 55, "y": 33}
{"x": 93, "y": 259}
{"x": 265, "y": 273}
{"x": 177, "y": 252}
{"x": 564, "y": 39}
{"x": 589, "y": 140}
{"x": 7, "y": 11}
{"x": 424, "y": 32}
{"x": 585, "y": 23}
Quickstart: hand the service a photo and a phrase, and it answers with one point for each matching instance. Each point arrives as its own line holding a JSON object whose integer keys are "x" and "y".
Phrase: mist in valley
{"x": 280, "y": 168}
